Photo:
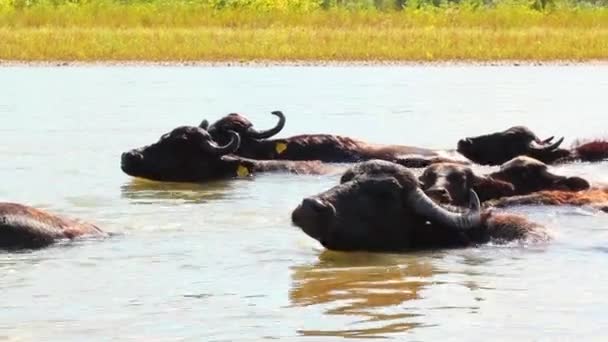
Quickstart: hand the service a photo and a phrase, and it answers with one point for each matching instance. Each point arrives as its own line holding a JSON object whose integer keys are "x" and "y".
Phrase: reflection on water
{"x": 143, "y": 191}
{"x": 372, "y": 286}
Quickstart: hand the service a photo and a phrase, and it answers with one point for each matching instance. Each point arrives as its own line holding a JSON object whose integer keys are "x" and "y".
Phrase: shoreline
{"x": 303, "y": 63}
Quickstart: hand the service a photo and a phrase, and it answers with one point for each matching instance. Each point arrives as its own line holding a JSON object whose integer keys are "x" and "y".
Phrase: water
{"x": 221, "y": 261}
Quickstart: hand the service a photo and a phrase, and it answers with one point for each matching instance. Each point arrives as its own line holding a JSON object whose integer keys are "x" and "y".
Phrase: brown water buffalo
{"x": 595, "y": 197}
{"x": 26, "y": 227}
{"x": 188, "y": 154}
{"x": 451, "y": 183}
{"x": 325, "y": 147}
{"x": 497, "y": 148}
{"x": 385, "y": 210}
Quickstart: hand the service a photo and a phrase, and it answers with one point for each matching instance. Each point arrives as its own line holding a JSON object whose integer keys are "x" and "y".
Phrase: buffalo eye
{"x": 456, "y": 178}
{"x": 347, "y": 176}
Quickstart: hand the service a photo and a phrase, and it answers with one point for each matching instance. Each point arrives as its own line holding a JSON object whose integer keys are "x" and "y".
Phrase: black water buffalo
{"x": 380, "y": 207}
{"x": 451, "y": 183}
{"x": 324, "y": 147}
{"x": 26, "y": 227}
{"x": 497, "y": 148}
{"x": 188, "y": 154}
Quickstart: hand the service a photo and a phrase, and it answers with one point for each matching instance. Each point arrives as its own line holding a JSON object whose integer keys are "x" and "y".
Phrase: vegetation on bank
{"x": 282, "y": 30}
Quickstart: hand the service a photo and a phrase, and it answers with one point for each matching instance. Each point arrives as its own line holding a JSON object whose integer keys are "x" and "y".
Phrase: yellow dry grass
{"x": 186, "y": 32}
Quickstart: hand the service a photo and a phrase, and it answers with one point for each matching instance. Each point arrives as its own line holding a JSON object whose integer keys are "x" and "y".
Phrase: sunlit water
{"x": 222, "y": 262}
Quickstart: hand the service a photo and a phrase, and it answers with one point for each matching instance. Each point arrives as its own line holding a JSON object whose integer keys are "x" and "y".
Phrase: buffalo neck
{"x": 242, "y": 167}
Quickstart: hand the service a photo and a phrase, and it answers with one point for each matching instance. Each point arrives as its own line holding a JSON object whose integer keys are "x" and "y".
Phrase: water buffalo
{"x": 385, "y": 210}
{"x": 497, "y": 148}
{"x": 188, "y": 154}
{"x": 26, "y": 227}
{"x": 325, "y": 147}
{"x": 595, "y": 197}
{"x": 451, "y": 183}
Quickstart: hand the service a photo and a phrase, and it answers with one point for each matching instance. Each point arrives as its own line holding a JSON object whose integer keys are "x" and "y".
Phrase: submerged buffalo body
{"x": 378, "y": 206}
{"x": 451, "y": 183}
{"x": 594, "y": 197}
{"x": 500, "y": 147}
{"x": 26, "y": 227}
{"x": 188, "y": 154}
{"x": 324, "y": 147}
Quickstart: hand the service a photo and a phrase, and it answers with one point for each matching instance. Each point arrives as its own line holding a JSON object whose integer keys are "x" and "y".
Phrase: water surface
{"x": 221, "y": 261}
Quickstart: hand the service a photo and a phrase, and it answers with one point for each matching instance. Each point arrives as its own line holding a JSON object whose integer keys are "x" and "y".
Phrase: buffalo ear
{"x": 489, "y": 188}
{"x": 204, "y": 125}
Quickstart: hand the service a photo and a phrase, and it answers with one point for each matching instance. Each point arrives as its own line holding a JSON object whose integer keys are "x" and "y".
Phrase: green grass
{"x": 283, "y": 30}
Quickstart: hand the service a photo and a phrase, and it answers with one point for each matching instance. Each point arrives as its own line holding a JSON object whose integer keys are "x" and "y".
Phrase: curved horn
{"x": 547, "y": 141}
{"x": 231, "y": 147}
{"x": 424, "y": 206}
{"x": 544, "y": 148}
{"x": 543, "y": 142}
{"x": 268, "y": 133}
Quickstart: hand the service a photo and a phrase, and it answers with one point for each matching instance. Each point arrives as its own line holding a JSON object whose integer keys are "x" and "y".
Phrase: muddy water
{"x": 221, "y": 261}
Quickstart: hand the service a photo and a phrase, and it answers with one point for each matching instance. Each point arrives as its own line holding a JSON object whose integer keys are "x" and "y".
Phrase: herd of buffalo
{"x": 379, "y": 204}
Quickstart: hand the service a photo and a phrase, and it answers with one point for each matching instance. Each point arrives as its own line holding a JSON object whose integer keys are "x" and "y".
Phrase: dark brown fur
{"x": 178, "y": 157}
{"x": 451, "y": 183}
{"x": 26, "y": 227}
{"x": 593, "y": 151}
{"x": 305, "y": 167}
{"x": 595, "y": 197}
{"x": 369, "y": 211}
{"x": 324, "y": 147}
{"x": 504, "y": 227}
{"x": 497, "y": 148}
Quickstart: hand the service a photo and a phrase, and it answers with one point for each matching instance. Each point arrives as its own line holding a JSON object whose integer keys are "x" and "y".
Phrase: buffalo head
{"x": 220, "y": 130}
{"x": 378, "y": 207}
{"x": 185, "y": 154}
{"x": 529, "y": 175}
{"x": 497, "y": 148}
{"x": 451, "y": 183}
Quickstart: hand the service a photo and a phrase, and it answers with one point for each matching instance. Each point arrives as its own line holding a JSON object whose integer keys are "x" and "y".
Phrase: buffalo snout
{"x": 464, "y": 144}
{"x": 130, "y": 159}
{"x": 313, "y": 216}
{"x": 439, "y": 194}
{"x": 575, "y": 184}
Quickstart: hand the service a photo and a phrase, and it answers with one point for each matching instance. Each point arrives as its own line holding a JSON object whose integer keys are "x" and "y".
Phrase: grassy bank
{"x": 284, "y": 30}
